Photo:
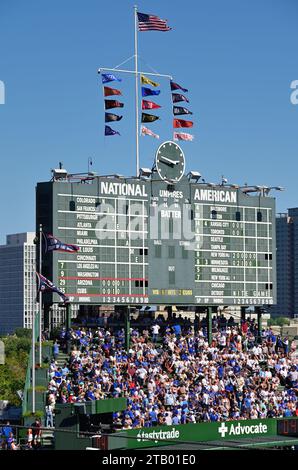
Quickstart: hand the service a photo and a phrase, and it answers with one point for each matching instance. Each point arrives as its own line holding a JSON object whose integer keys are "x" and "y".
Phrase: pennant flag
{"x": 111, "y": 91}
{"x": 109, "y": 77}
{"x": 183, "y": 136}
{"x": 113, "y": 104}
{"x": 149, "y": 117}
{"x": 180, "y": 110}
{"x": 112, "y": 117}
{"x": 152, "y": 23}
{"x": 45, "y": 285}
{"x": 148, "y": 91}
{"x": 52, "y": 243}
{"x": 182, "y": 123}
{"x": 145, "y": 80}
{"x": 176, "y": 98}
{"x": 149, "y": 105}
{"x": 110, "y": 131}
{"x": 175, "y": 86}
{"x": 146, "y": 131}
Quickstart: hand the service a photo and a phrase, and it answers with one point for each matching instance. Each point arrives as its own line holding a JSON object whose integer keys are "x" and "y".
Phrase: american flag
{"x": 152, "y": 23}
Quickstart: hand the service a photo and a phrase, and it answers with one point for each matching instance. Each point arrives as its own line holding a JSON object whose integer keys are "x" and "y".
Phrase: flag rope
{"x": 133, "y": 71}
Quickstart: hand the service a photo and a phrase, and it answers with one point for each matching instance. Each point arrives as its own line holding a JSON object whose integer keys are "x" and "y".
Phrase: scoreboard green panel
{"x": 235, "y": 252}
{"x": 150, "y": 242}
{"x": 159, "y": 241}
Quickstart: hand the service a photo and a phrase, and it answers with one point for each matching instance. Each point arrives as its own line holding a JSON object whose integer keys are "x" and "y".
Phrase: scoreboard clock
{"x": 170, "y": 162}
{"x": 287, "y": 427}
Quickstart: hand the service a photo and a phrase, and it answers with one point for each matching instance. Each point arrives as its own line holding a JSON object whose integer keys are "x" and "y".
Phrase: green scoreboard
{"x": 161, "y": 239}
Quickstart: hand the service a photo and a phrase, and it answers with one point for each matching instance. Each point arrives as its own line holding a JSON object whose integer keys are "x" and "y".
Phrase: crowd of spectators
{"x": 8, "y": 440}
{"x": 171, "y": 375}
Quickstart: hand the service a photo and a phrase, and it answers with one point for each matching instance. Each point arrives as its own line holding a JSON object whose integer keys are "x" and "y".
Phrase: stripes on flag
{"x": 152, "y": 23}
{"x": 44, "y": 285}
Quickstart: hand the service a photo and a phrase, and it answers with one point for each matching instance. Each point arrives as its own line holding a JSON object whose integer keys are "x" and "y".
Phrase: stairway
{"x": 61, "y": 359}
{"x": 47, "y": 439}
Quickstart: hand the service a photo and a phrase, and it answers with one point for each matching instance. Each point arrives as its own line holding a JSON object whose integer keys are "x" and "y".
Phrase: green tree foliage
{"x": 23, "y": 333}
{"x": 278, "y": 321}
{"x": 13, "y": 372}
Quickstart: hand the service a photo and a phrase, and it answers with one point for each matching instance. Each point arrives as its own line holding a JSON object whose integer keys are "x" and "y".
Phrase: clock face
{"x": 170, "y": 162}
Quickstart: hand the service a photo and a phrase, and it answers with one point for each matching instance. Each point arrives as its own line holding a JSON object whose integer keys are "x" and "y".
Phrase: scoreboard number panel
{"x": 163, "y": 240}
{"x": 233, "y": 263}
{"x": 111, "y": 232}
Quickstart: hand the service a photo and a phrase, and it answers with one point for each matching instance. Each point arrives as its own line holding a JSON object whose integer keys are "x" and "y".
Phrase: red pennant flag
{"x": 149, "y": 105}
{"x": 182, "y": 123}
{"x": 108, "y": 91}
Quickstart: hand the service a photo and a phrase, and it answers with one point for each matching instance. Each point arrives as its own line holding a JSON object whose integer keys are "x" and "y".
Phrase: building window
{"x": 157, "y": 251}
{"x": 171, "y": 277}
{"x": 171, "y": 252}
{"x": 259, "y": 216}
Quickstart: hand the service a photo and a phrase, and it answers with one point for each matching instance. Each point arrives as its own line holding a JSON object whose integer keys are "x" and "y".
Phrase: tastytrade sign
{"x": 158, "y": 435}
{"x": 213, "y": 195}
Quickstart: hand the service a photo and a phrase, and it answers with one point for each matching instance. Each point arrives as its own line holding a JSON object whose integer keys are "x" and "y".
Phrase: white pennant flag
{"x": 146, "y": 131}
{"x": 183, "y": 136}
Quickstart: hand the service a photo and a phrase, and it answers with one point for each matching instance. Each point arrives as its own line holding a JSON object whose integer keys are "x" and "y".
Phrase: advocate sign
{"x": 199, "y": 432}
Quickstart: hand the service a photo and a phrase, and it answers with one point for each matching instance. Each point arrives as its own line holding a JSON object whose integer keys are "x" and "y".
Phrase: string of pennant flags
{"x": 111, "y": 103}
{"x": 149, "y": 89}
{"x": 147, "y": 105}
{"x": 178, "y": 111}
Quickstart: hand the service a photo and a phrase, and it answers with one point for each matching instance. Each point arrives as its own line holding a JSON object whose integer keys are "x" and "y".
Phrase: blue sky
{"x": 237, "y": 58}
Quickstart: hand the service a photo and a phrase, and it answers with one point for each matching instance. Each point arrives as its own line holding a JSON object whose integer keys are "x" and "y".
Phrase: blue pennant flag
{"x": 52, "y": 243}
{"x": 110, "y": 131}
{"x": 45, "y": 285}
{"x": 109, "y": 77}
{"x": 147, "y": 91}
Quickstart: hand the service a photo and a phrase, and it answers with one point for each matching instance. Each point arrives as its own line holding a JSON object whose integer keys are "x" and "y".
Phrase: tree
{"x": 23, "y": 333}
{"x": 278, "y": 321}
{"x": 13, "y": 372}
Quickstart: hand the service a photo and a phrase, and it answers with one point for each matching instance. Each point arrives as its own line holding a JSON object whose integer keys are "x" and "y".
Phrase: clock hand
{"x": 172, "y": 162}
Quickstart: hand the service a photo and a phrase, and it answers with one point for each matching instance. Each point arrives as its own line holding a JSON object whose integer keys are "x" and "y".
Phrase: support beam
{"x": 209, "y": 323}
{"x": 127, "y": 327}
{"x": 170, "y": 312}
{"x": 243, "y": 313}
{"x": 258, "y": 311}
{"x": 46, "y": 313}
{"x": 68, "y": 326}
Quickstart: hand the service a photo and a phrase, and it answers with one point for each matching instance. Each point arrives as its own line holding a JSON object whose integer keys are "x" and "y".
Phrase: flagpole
{"x": 40, "y": 294}
{"x": 33, "y": 363}
{"x": 137, "y": 94}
